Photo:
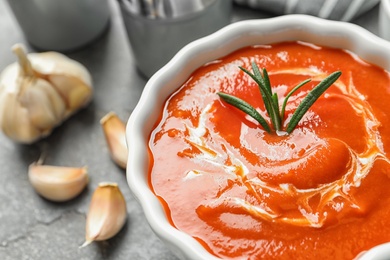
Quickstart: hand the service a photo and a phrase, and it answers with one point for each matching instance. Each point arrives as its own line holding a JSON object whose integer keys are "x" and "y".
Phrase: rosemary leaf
{"x": 246, "y": 108}
{"x": 274, "y": 100}
{"x": 257, "y": 80}
{"x": 257, "y": 74}
{"x": 289, "y": 95}
{"x": 309, "y": 100}
{"x": 277, "y": 120}
{"x": 267, "y": 82}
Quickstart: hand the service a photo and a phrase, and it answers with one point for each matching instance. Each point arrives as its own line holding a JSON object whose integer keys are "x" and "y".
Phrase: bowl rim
{"x": 298, "y": 27}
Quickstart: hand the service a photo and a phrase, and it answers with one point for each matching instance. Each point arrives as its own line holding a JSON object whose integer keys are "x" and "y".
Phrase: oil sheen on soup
{"x": 322, "y": 191}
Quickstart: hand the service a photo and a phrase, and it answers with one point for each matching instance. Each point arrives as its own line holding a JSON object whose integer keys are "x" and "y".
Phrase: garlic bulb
{"x": 39, "y": 92}
{"x": 115, "y": 133}
{"x": 57, "y": 183}
{"x": 107, "y": 213}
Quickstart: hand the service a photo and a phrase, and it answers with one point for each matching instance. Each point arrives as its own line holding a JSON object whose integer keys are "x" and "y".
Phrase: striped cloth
{"x": 344, "y": 10}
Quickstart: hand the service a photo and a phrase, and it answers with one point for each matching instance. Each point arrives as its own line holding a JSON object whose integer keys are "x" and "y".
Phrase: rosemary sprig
{"x": 271, "y": 100}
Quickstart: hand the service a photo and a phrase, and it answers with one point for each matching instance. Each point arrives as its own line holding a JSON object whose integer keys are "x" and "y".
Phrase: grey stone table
{"x": 34, "y": 228}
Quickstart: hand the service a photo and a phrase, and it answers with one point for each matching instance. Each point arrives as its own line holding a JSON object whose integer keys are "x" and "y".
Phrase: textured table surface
{"x": 34, "y": 228}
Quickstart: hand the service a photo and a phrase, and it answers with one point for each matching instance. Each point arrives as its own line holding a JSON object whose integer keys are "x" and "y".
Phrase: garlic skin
{"x": 107, "y": 213}
{"x": 57, "y": 183}
{"x": 115, "y": 133}
{"x": 39, "y": 92}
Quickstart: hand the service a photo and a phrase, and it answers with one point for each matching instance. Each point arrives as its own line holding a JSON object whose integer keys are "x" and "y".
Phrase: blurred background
{"x": 122, "y": 43}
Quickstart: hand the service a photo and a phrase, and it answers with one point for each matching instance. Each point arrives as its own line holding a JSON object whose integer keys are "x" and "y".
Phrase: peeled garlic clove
{"x": 107, "y": 213}
{"x": 58, "y": 183}
{"x": 115, "y": 133}
{"x": 43, "y": 89}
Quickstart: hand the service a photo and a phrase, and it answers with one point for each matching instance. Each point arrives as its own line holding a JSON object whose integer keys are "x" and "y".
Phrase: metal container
{"x": 158, "y": 29}
{"x": 61, "y": 25}
{"x": 384, "y": 19}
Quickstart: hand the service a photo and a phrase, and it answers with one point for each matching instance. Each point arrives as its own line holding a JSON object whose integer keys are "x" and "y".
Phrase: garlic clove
{"x": 75, "y": 93}
{"x": 44, "y": 105}
{"x": 48, "y": 63}
{"x": 107, "y": 213}
{"x": 69, "y": 77}
{"x": 15, "y": 121}
{"x": 115, "y": 133}
{"x": 58, "y": 183}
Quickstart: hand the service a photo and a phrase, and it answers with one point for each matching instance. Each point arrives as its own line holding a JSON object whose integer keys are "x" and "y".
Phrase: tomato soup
{"x": 323, "y": 191}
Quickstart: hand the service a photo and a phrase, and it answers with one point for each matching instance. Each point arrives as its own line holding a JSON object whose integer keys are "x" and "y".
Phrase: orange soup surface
{"x": 322, "y": 191}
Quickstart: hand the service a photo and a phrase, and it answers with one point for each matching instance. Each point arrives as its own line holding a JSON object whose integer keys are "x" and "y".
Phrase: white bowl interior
{"x": 380, "y": 252}
{"x": 235, "y": 36}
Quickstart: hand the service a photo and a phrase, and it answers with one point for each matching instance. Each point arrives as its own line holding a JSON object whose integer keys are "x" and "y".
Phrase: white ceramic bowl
{"x": 284, "y": 28}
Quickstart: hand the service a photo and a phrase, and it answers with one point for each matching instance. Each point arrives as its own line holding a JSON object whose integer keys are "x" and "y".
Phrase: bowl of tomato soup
{"x": 215, "y": 184}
